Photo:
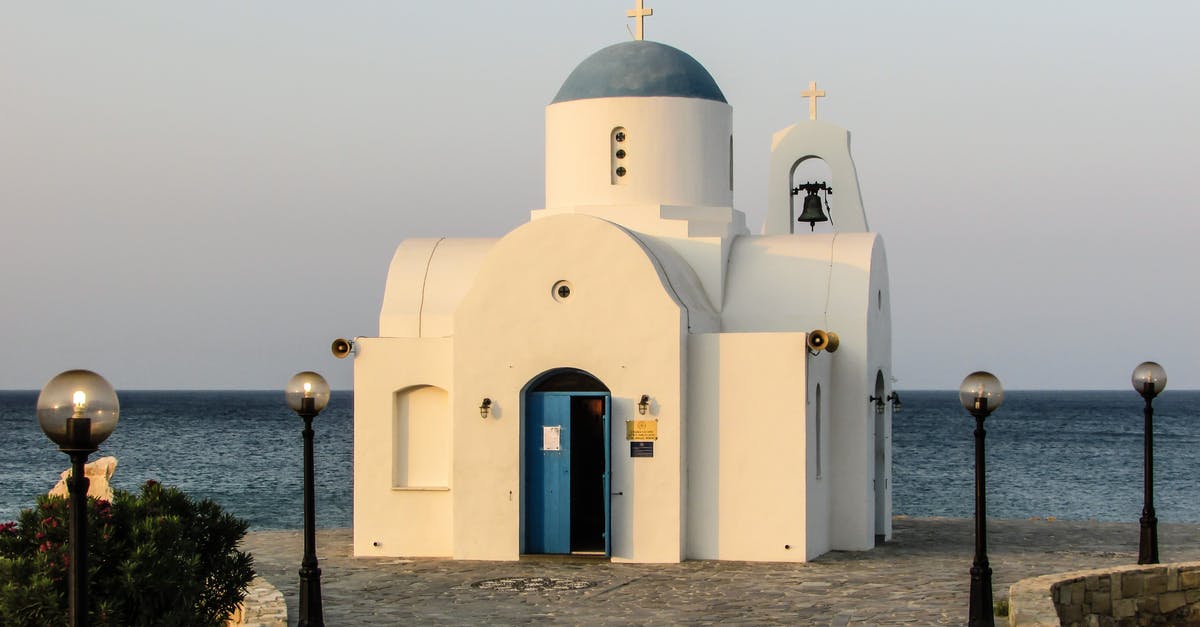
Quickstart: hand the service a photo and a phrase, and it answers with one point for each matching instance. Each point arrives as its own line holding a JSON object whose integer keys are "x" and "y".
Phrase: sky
{"x": 203, "y": 195}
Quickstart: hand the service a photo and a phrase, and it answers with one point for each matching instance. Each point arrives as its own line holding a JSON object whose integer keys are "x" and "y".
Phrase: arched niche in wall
{"x": 421, "y": 428}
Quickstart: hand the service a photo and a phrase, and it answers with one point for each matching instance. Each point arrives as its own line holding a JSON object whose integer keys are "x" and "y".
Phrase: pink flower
{"x": 8, "y": 527}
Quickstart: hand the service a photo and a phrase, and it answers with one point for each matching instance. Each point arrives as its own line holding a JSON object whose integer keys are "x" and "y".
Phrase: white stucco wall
{"x": 426, "y": 280}
{"x": 391, "y": 520}
{"x": 752, "y": 490}
{"x": 835, "y": 282}
{"x": 700, "y": 236}
{"x": 819, "y": 481}
{"x": 678, "y": 152}
{"x": 623, "y": 324}
{"x": 518, "y": 318}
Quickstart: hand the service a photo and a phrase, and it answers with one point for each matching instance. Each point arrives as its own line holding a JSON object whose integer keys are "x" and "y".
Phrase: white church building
{"x": 632, "y": 373}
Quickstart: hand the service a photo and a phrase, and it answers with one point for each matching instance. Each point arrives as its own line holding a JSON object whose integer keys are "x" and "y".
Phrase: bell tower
{"x": 792, "y": 146}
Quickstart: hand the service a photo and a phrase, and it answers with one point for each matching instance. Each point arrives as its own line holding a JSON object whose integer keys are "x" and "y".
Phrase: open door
{"x": 567, "y": 471}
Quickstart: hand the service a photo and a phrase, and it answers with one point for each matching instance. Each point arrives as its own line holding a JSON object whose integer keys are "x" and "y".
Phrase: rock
{"x": 98, "y": 474}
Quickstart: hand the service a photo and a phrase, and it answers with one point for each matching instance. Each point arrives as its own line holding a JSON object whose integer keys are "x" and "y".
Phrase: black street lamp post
{"x": 307, "y": 394}
{"x": 77, "y": 410}
{"x": 980, "y": 394}
{"x": 1149, "y": 379}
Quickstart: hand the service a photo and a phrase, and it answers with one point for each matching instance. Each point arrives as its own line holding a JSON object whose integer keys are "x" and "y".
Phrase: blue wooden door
{"x": 607, "y": 476}
{"x": 548, "y": 473}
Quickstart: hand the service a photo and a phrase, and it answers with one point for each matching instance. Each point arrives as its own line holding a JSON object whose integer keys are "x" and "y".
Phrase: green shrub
{"x": 154, "y": 558}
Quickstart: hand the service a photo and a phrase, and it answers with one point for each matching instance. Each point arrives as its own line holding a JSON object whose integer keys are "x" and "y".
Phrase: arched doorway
{"x": 567, "y": 464}
{"x": 881, "y": 474}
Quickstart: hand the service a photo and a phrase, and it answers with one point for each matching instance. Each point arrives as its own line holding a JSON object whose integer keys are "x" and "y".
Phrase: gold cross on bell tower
{"x": 812, "y": 94}
{"x": 640, "y": 14}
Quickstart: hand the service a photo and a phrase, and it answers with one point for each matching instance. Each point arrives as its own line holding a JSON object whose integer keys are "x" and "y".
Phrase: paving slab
{"x": 921, "y": 577}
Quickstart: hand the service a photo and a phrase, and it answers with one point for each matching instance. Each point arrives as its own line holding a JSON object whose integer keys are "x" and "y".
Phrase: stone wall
{"x": 1163, "y": 594}
{"x": 262, "y": 607}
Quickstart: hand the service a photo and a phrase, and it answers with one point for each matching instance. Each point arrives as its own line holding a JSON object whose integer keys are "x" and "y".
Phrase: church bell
{"x": 812, "y": 213}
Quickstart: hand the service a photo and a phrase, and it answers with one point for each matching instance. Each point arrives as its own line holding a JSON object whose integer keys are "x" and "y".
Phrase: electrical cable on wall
{"x": 424, "y": 286}
{"x": 829, "y": 278}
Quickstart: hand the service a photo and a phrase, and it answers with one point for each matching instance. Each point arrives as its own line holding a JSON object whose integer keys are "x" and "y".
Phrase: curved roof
{"x": 639, "y": 68}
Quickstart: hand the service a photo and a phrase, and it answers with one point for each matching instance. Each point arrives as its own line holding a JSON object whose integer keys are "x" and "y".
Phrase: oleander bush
{"x": 154, "y": 558}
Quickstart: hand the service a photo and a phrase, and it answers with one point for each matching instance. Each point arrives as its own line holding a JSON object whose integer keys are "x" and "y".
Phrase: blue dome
{"x": 639, "y": 68}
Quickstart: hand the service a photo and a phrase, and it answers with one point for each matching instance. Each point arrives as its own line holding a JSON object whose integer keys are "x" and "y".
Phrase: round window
{"x": 561, "y": 291}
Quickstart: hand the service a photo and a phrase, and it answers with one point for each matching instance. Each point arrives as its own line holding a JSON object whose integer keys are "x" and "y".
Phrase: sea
{"x": 1072, "y": 455}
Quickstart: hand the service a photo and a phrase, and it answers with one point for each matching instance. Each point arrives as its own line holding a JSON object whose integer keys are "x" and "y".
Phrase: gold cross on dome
{"x": 812, "y": 94}
{"x": 640, "y": 14}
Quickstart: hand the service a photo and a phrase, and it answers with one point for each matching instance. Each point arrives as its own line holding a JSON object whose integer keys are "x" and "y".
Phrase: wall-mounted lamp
{"x": 644, "y": 404}
{"x": 879, "y": 406}
{"x": 894, "y": 397}
{"x": 485, "y": 407}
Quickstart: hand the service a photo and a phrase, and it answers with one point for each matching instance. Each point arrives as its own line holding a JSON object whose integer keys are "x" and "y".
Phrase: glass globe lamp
{"x": 307, "y": 392}
{"x": 981, "y": 391}
{"x": 78, "y": 410}
{"x": 1149, "y": 378}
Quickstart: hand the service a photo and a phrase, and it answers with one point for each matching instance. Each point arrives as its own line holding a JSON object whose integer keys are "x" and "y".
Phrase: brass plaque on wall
{"x": 642, "y": 430}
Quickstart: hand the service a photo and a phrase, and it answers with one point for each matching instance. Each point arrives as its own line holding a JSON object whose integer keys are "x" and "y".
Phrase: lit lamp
{"x": 980, "y": 394}
{"x": 78, "y": 410}
{"x": 307, "y": 394}
{"x": 1149, "y": 379}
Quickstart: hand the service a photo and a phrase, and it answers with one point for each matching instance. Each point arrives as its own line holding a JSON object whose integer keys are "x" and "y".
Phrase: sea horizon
{"x": 280, "y": 389}
{"x": 1067, "y": 454}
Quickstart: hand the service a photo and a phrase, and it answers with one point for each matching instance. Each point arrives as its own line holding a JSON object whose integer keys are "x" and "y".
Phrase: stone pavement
{"x": 919, "y": 578}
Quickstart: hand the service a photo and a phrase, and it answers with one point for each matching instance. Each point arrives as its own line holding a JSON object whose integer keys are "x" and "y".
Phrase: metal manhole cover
{"x": 523, "y": 584}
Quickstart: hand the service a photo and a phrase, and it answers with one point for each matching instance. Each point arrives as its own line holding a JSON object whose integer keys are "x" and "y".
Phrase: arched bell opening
{"x": 811, "y": 184}
{"x": 566, "y": 461}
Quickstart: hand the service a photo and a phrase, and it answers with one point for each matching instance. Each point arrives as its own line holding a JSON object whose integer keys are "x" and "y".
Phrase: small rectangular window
{"x": 618, "y": 152}
{"x": 817, "y": 414}
{"x": 731, "y": 163}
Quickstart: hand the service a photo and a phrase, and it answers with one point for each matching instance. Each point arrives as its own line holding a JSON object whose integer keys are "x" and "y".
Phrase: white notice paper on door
{"x": 552, "y": 438}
